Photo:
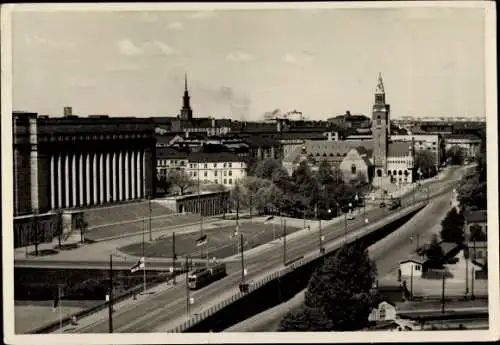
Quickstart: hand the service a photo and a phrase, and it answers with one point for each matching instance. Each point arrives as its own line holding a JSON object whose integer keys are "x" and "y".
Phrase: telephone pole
{"x": 442, "y": 293}
{"x": 242, "y": 260}
{"x": 110, "y": 303}
{"x": 188, "y": 297}
{"x": 284, "y": 241}
{"x": 174, "y": 257}
{"x": 150, "y": 228}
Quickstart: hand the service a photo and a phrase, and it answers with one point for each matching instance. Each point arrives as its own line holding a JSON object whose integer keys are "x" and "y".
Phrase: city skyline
{"x": 133, "y": 63}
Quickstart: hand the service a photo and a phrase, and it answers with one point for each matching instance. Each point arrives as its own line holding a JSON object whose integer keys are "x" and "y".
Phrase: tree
{"x": 473, "y": 193}
{"x": 452, "y": 227}
{"x": 325, "y": 173}
{"x": 477, "y": 233}
{"x": 425, "y": 161}
{"x": 305, "y": 319}
{"x": 342, "y": 287}
{"x": 455, "y": 155}
{"x": 434, "y": 253}
{"x": 164, "y": 183}
{"x": 181, "y": 180}
{"x": 306, "y": 186}
{"x": 266, "y": 168}
{"x": 82, "y": 225}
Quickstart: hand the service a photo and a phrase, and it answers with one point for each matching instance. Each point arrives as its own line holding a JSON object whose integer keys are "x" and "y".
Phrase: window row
{"x": 213, "y": 165}
{"x": 216, "y": 173}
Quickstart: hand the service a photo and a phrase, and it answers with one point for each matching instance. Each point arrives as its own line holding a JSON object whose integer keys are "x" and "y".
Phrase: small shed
{"x": 411, "y": 267}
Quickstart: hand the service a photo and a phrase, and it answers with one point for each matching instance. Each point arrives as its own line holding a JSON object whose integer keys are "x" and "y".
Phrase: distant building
{"x": 425, "y": 142}
{"x": 216, "y": 166}
{"x": 411, "y": 267}
{"x": 357, "y": 164}
{"x": 470, "y": 144}
{"x": 168, "y": 158}
{"x": 349, "y": 120}
{"x": 385, "y": 311}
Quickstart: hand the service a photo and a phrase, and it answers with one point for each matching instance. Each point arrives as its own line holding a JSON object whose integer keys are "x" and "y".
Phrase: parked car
{"x": 382, "y": 204}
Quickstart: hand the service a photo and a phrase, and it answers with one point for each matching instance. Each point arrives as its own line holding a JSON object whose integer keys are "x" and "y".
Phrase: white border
{"x": 7, "y": 197}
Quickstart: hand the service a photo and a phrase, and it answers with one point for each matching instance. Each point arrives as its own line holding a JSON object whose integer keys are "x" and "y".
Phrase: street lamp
{"x": 110, "y": 296}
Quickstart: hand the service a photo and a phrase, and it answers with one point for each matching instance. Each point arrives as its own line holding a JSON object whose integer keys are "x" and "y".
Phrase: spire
{"x": 185, "y": 81}
{"x": 380, "y": 84}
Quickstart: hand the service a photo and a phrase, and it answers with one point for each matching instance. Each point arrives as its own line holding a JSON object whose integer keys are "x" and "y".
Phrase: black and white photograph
{"x": 195, "y": 173}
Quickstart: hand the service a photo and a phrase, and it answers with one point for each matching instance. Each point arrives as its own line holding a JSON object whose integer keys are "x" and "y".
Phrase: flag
{"x": 201, "y": 241}
{"x": 140, "y": 265}
{"x": 268, "y": 219}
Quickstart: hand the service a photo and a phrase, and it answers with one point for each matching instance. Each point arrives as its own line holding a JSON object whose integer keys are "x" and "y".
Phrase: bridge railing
{"x": 294, "y": 265}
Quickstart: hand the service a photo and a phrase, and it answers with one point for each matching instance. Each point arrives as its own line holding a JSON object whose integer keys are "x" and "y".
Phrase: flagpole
{"x": 144, "y": 257}
{"x": 59, "y": 294}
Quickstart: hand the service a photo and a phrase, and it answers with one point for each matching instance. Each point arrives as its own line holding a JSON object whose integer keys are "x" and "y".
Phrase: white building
{"x": 223, "y": 168}
{"x": 385, "y": 311}
{"x": 424, "y": 142}
{"x": 411, "y": 267}
{"x": 168, "y": 158}
{"x": 400, "y": 161}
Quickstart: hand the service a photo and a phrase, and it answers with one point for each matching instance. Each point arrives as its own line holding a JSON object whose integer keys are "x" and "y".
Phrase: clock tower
{"x": 380, "y": 129}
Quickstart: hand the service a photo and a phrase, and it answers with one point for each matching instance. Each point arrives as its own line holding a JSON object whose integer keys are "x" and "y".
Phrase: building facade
{"x": 224, "y": 168}
{"x": 76, "y": 162}
{"x": 469, "y": 144}
{"x": 425, "y": 142}
{"x": 168, "y": 158}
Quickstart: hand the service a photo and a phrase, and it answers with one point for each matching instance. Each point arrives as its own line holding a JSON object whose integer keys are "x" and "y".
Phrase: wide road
{"x": 169, "y": 306}
{"x": 386, "y": 253}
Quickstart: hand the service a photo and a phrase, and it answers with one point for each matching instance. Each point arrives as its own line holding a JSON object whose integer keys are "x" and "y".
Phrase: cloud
{"x": 201, "y": 15}
{"x": 239, "y": 56}
{"x": 122, "y": 67}
{"x": 79, "y": 82}
{"x": 175, "y": 26}
{"x": 36, "y": 40}
{"x": 127, "y": 47}
{"x": 147, "y": 17}
{"x": 164, "y": 48}
{"x": 302, "y": 57}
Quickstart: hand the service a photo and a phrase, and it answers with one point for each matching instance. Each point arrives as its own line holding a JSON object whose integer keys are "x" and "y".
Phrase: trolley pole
{"x": 188, "y": 297}
{"x": 174, "y": 257}
{"x": 242, "y": 260}
{"x": 110, "y": 304}
{"x": 284, "y": 241}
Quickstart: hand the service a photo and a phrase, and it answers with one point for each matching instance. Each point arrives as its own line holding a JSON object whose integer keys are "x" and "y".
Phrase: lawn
{"x": 220, "y": 242}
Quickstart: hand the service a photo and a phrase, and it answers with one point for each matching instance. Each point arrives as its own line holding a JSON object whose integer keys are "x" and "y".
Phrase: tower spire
{"x": 185, "y": 81}
{"x": 380, "y": 84}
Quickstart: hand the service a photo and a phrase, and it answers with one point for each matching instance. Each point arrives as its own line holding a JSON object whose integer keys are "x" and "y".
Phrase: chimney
{"x": 347, "y": 113}
{"x": 68, "y": 111}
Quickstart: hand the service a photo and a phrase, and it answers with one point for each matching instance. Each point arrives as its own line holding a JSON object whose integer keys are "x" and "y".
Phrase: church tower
{"x": 380, "y": 129}
{"x": 186, "y": 111}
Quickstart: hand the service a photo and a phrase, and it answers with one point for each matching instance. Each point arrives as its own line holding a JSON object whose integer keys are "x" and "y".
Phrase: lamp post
{"x": 284, "y": 241}
{"x": 110, "y": 296}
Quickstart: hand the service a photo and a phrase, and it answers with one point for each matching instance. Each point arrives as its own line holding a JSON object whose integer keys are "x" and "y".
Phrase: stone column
{"x": 140, "y": 179}
{"x": 127, "y": 176}
{"x": 133, "y": 173}
{"x": 52, "y": 182}
{"x": 114, "y": 172}
{"x": 66, "y": 179}
{"x": 108, "y": 177}
{"x": 33, "y": 130}
{"x": 59, "y": 180}
{"x": 101, "y": 178}
{"x": 81, "y": 192}
{"x": 120, "y": 175}
{"x": 73, "y": 179}
{"x": 94, "y": 178}
{"x": 88, "y": 172}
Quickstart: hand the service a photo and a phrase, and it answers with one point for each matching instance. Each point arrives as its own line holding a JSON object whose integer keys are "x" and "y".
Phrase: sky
{"x": 243, "y": 63}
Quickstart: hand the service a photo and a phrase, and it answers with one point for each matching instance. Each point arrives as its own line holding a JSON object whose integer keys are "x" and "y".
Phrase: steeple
{"x": 380, "y": 84}
{"x": 186, "y": 111}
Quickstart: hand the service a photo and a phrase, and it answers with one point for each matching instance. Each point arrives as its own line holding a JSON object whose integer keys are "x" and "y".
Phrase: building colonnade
{"x": 81, "y": 179}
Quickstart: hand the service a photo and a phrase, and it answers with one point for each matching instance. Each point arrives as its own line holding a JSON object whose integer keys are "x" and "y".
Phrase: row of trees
{"x": 304, "y": 193}
{"x": 339, "y": 296}
{"x": 472, "y": 192}
{"x": 174, "y": 179}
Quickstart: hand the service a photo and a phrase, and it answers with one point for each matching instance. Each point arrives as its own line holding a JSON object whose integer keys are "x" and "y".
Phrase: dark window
{"x": 353, "y": 169}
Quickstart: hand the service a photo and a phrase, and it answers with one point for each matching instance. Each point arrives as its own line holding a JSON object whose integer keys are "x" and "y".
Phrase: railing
{"x": 306, "y": 259}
